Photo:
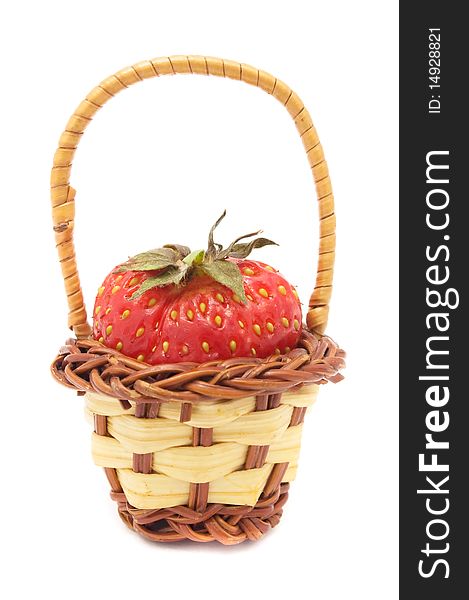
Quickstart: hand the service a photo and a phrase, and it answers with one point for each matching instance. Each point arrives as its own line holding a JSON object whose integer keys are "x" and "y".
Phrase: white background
{"x": 158, "y": 164}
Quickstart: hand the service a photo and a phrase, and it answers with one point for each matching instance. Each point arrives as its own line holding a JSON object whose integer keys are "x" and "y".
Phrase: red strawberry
{"x": 170, "y": 305}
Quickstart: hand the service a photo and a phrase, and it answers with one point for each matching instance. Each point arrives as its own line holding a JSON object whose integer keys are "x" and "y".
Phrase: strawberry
{"x": 170, "y": 305}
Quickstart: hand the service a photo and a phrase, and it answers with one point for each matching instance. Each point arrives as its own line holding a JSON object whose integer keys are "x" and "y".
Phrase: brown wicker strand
{"x": 198, "y": 492}
{"x": 227, "y": 525}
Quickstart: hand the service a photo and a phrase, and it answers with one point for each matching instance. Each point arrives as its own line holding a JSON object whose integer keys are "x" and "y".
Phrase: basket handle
{"x": 63, "y": 195}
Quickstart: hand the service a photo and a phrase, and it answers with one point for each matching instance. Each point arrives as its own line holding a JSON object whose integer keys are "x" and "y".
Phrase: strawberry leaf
{"x": 243, "y": 250}
{"x": 228, "y": 274}
{"x": 170, "y": 276}
{"x": 213, "y": 248}
{"x": 183, "y": 251}
{"x": 153, "y": 260}
{"x": 224, "y": 253}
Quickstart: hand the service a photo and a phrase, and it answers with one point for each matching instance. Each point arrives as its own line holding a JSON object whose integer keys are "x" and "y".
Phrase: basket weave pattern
{"x": 196, "y": 451}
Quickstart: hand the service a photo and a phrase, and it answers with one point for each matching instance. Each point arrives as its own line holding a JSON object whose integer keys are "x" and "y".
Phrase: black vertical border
{"x": 421, "y": 132}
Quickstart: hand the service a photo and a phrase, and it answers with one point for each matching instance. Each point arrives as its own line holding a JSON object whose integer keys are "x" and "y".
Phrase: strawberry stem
{"x": 196, "y": 257}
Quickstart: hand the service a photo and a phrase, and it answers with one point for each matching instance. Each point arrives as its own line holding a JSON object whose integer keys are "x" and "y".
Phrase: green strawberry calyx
{"x": 176, "y": 264}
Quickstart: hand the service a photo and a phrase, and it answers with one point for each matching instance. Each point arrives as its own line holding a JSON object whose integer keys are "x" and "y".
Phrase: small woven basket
{"x": 196, "y": 451}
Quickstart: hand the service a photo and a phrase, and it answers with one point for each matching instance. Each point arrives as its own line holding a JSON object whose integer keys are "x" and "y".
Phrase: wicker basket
{"x": 196, "y": 451}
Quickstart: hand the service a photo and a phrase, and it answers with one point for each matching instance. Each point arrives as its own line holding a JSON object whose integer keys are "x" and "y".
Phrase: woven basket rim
{"x": 89, "y": 366}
